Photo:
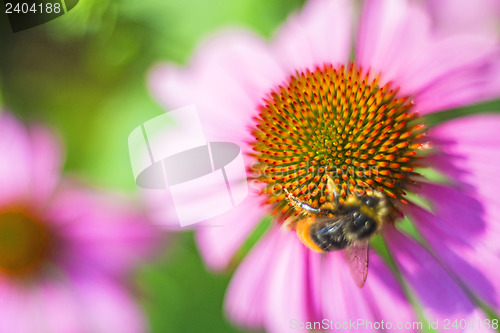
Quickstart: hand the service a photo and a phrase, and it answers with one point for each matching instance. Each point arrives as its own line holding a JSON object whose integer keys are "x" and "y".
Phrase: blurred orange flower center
{"x": 24, "y": 244}
{"x": 338, "y": 123}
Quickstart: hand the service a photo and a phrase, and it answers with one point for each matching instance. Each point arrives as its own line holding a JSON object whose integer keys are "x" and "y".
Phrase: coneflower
{"x": 313, "y": 106}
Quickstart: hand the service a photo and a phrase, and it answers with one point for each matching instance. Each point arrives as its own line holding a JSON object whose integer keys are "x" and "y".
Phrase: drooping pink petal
{"x": 439, "y": 295}
{"x": 395, "y": 39}
{"x": 470, "y": 157}
{"x": 319, "y": 34}
{"x": 283, "y": 286}
{"x": 220, "y": 237}
{"x": 471, "y": 260}
{"x": 289, "y": 296}
{"x": 465, "y": 226}
{"x": 468, "y": 218}
{"x": 344, "y": 302}
{"x": 273, "y": 288}
{"x": 229, "y": 76}
{"x": 382, "y": 288}
{"x": 247, "y": 293}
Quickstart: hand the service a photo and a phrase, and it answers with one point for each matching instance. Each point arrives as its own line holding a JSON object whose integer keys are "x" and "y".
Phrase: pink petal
{"x": 15, "y": 160}
{"x": 470, "y": 156}
{"x": 461, "y": 207}
{"x": 247, "y": 293}
{"x": 467, "y": 219}
{"x": 395, "y": 39}
{"x": 472, "y": 84}
{"x": 46, "y": 158}
{"x": 361, "y": 308}
{"x": 466, "y": 226}
{"x": 273, "y": 285}
{"x": 87, "y": 304}
{"x": 61, "y": 305}
{"x": 342, "y": 299}
{"x": 382, "y": 288}
{"x": 223, "y": 236}
{"x": 104, "y": 231}
{"x": 105, "y": 307}
{"x": 61, "y": 310}
{"x": 465, "y": 17}
{"x": 320, "y": 33}
{"x": 472, "y": 130}
{"x": 439, "y": 295}
{"x": 227, "y": 79}
{"x": 473, "y": 262}
{"x": 29, "y": 162}
{"x": 461, "y": 54}
{"x": 289, "y": 286}
{"x": 283, "y": 286}
{"x": 160, "y": 208}
{"x": 390, "y": 32}
{"x": 18, "y": 310}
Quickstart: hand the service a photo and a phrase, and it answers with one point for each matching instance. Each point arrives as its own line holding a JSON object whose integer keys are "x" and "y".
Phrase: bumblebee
{"x": 336, "y": 226}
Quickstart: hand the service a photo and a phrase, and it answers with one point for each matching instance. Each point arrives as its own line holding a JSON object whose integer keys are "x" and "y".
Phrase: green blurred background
{"x": 84, "y": 75}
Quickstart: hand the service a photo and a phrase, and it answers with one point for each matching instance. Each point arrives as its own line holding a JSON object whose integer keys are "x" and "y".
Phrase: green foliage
{"x": 180, "y": 295}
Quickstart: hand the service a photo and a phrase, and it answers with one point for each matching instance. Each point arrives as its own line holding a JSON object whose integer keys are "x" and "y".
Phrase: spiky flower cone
{"x": 337, "y": 123}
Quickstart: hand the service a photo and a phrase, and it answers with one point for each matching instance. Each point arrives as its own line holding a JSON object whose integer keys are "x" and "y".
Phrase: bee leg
{"x": 288, "y": 223}
{"x": 302, "y": 228}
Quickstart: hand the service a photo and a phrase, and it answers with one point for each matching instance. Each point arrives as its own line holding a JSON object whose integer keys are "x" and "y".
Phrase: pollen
{"x": 338, "y": 123}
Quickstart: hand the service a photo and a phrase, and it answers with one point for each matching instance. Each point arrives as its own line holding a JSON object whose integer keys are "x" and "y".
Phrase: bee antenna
{"x": 297, "y": 204}
{"x": 287, "y": 193}
{"x": 291, "y": 198}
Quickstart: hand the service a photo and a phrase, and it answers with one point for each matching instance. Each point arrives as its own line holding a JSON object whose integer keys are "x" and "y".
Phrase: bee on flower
{"x": 337, "y": 115}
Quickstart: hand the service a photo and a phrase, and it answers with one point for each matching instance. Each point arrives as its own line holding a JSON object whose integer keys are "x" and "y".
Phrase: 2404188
{"x": 26, "y": 8}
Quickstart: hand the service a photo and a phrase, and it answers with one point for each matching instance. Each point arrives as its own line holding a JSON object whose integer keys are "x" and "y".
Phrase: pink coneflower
{"x": 330, "y": 120}
{"x": 65, "y": 251}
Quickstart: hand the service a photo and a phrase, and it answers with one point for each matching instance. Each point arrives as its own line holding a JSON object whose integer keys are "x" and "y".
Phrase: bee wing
{"x": 357, "y": 258}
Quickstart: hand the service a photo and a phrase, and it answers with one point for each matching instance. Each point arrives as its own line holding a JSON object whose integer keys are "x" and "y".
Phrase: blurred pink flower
{"x": 65, "y": 251}
{"x": 236, "y": 77}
